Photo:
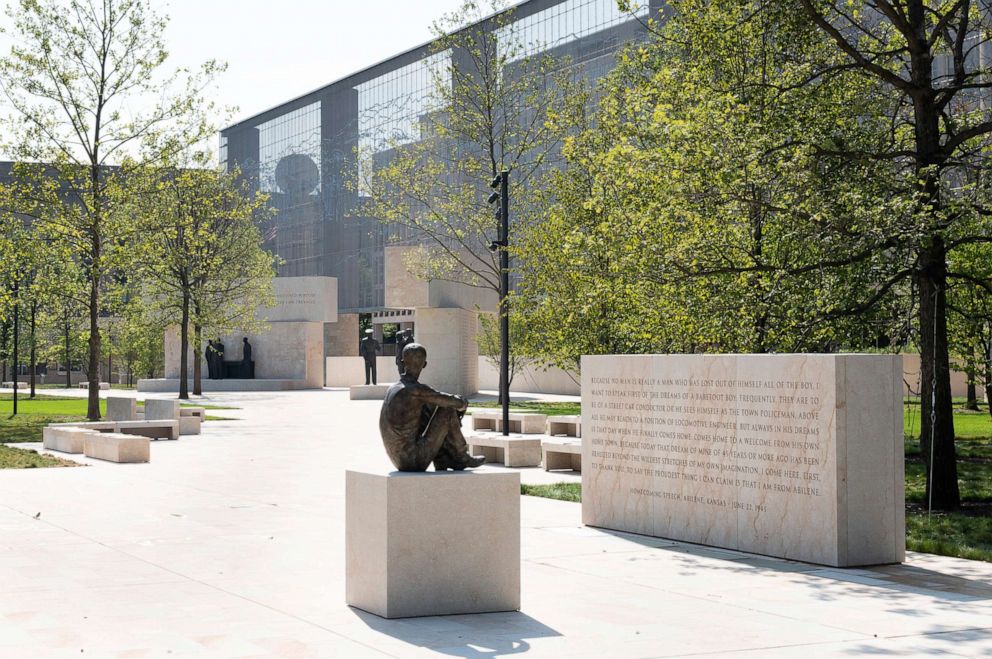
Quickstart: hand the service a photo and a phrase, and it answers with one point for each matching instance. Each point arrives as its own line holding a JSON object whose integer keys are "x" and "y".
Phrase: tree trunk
{"x": 197, "y": 362}
{"x": 34, "y": 347}
{"x": 972, "y": 372}
{"x": 184, "y": 350}
{"x": 68, "y": 357}
{"x": 937, "y": 422}
{"x": 93, "y": 374}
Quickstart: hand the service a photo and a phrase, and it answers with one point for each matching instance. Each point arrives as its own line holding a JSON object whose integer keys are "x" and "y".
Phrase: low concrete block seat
{"x": 193, "y": 411}
{"x": 368, "y": 391}
{"x": 569, "y": 425}
{"x": 154, "y": 429}
{"x": 86, "y": 385}
{"x": 510, "y": 451}
{"x": 116, "y": 447}
{"x": 120, "y": 408}
{"x": 190, "y": 425}
{"x": 66, "y": 439}
{"x": 524, "y": 423}
{"x": 561, "y": 454}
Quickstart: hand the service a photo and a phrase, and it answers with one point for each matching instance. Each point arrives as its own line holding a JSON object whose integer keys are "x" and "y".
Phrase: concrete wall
{"x": 346, "y": 371}
{"x": 452, "y": 352}
{"x": 341, "y": 338}
{"x": 404, "y": 290}
{"x": 911, "y": 378}
{"x": 529, "y": 380}
{"x": 285, "y": 351}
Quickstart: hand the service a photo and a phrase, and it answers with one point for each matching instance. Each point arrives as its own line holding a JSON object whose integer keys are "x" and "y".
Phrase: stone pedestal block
{"x": 199, "y": 412}
{"x": 562, "y": 454}
{"x": 524, "y": 423}
{"x": 432, "y": 543}
{"x": 121, "y": 409}
{"x": 189, "y": 425}
{"x": 66, "y": 440}
{"x": 510, "y": 451}
{"x": 368, "y": 391}
{"x": 116, "y": 447}
{"x": 569, "y": 425}
{"x": 157, "y": 409}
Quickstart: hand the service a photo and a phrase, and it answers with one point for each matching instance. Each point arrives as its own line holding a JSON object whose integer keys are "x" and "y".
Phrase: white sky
{"x": 280, "y": 49}
{"x": 277, "y": 50}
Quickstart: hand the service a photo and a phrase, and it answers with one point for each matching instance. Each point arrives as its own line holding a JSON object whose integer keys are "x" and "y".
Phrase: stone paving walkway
{"x": 230, "y": 544}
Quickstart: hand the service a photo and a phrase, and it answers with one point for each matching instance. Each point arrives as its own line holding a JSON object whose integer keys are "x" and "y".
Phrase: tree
{"x": 489, "y": 343}
{"x": 210, "y": 266}
{"x": 494, "y": 106}
{"x": 692, "y": 216}
{"x": 75, "y": 79}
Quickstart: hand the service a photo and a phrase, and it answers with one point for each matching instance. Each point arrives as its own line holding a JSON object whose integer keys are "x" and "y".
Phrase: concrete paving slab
{"x": 233, "y": 545}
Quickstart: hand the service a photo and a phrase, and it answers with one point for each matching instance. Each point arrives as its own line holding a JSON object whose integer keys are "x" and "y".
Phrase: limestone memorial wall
{"x": 795, "y": 456}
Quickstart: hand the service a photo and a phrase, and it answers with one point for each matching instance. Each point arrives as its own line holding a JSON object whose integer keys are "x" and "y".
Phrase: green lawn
{"x": 555, "y": 408}
{"x": 17, "y": 458}
{"x": 34, "y": 414}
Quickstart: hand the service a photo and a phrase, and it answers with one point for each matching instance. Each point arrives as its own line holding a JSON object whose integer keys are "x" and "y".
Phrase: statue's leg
{"x": 454, "y": 450}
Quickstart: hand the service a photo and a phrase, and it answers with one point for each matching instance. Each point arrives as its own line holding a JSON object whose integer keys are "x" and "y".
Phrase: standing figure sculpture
{"x": 211, "y": 356}
{"x": 403, "y": 339}
{"x": 219, "y": 359}
{"x": 368, "y": 349}
{"x": 420, "y": 425}
{"x": 247, "y": 370}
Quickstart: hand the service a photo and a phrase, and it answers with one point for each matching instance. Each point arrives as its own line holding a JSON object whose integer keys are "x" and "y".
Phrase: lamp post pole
{"x": 502, "y": 186}
{"x": 16, "y": 339}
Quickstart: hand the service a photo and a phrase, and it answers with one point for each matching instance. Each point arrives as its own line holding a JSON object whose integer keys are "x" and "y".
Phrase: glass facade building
{"x": 302, "y": 152}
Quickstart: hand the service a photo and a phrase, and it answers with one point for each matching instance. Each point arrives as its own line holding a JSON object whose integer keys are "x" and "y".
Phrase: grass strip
{"x": 19, "y": 458}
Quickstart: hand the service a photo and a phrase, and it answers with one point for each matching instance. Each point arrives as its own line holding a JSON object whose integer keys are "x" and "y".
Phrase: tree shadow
{"x": 471, "y": 636}
{"x": 969, "y": 581}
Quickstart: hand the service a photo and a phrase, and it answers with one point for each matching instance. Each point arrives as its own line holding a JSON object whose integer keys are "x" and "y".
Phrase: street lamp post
{"x": 501, "y": 183}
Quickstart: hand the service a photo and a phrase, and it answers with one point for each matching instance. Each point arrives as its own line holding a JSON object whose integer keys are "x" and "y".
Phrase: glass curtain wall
{"x": 304, "y": 156}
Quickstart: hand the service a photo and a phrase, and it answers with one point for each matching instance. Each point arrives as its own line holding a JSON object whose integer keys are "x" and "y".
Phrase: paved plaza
{"x": 231, "y": 544}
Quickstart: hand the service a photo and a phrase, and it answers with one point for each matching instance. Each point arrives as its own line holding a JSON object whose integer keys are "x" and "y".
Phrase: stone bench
{"x": 116, "y": 447}
{"x": 120, "y": 408}
{"x": 510, "y": 451}
{"x": 162, "y": 429}
{"x": 64, "y": 439}
{"x": 524, "y": 423}
{"x": 561, "y": 454}
{"x": 191, "y": 420}
{"x": 86, "y": 385}
{"x": 368, "y": 391}
{"x": 567, "y": 425}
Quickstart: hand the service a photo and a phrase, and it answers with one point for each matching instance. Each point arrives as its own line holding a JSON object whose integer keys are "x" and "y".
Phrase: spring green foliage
{"x": 756, "y": 182}
{"x": 74, "y": 76}
{"x": 493, "y": 106}
{"x": 210, "y": 269}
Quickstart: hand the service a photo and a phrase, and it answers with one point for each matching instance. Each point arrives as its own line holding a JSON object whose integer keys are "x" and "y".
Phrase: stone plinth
{"x": 64, "y": 439}
{"x": 561, "y": 454}
{"x": 368, "y": 391}
{"x": 189, "y": 425}
{"x": 525, "y": 423}
{"x": 121, "y": 409}
{"x": 348, "y": 371}
{"x": 155, "y": 428}
{"x": 432, "y": 543}
{"x": 569, "y": 425}
{"x": 157, "y": 409}
{"x": 116, "y": 447}
{"x": 796, "y": 456}
{"x": 509, "y": 450}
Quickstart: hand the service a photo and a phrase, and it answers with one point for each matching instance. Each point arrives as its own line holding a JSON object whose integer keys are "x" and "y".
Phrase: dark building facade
{"x": 301, "y": 152}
